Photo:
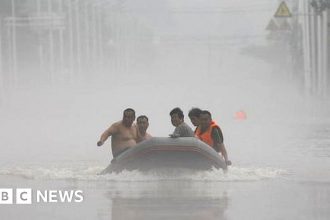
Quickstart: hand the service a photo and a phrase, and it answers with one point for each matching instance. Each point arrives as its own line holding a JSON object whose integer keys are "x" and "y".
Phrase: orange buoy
{"x": 240, "y": 115}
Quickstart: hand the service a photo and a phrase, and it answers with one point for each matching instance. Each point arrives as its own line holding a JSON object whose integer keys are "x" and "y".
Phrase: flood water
{"x": 280, "y": 171}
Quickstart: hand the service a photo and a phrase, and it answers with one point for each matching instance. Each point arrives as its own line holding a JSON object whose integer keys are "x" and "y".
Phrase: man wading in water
{"x": 124, "y": 133}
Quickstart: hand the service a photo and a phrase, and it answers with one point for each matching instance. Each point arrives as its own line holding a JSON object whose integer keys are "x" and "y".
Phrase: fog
{"x": 158, "y": 55}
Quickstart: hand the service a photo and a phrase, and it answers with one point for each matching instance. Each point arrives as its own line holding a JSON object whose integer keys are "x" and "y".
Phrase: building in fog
{"x": 314, "y": 19}
{"x": 56, "y": 40}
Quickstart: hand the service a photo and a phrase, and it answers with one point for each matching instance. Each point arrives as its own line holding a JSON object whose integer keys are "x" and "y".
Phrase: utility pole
{"x": 40, "y": 46}
{"x": 61, "y": 37}
{"x": 78, "y": 36}
{"x": 71, "y": 47}
{"x": 51, "y": 42}
{"x": 95, "y": 57}
{"x": 319, "y": 49}
{"x": 1, "y": 72}
{"x": 313, "y": 51}
{"x": 100, "y": 37}
{"x": 320, "y": 43}
{"x": 325, "y": 51}
{"x": 306, "y": 48}
{"x": 14, "y": 43}
{"x": 87, "y": 31}
{"x": 1, "y": 65}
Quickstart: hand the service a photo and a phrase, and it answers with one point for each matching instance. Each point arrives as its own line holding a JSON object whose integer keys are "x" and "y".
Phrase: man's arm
{"x": 146, "y": 137}
{"x": 217, "y": 136}
{"x": 176, "y": 133}
{"x": 107, "y": 133}
{"x": 183, "y": 130}
{"x": 218, "y": 144}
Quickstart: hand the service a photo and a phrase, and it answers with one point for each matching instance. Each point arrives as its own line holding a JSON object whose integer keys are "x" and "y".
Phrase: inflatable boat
{"x": 159, "y": 153}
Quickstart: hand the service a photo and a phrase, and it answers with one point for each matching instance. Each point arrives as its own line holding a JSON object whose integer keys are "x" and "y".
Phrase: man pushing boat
{"x": 124, "y": 133}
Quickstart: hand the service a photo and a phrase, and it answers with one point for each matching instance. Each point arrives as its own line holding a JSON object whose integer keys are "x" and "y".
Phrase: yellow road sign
{"x": 283, "y": 11}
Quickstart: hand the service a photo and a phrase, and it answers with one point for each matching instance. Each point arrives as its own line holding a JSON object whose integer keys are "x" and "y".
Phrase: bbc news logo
{"x": 28, "y": 196}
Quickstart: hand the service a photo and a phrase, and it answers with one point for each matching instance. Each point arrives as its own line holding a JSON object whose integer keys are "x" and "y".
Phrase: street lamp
{"x": 320, "y": 5}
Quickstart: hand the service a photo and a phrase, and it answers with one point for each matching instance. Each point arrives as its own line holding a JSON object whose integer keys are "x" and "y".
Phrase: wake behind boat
{"x": 160, "y": 153}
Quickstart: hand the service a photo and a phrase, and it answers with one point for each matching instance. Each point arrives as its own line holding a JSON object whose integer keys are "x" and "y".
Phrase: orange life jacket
{"x": 207, "y": 135}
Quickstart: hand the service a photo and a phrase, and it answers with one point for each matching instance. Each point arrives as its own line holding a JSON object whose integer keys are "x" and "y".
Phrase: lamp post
{"x": 320, "y": 8}
{"x": 320, "y": 5}
{"x": 14, "y": 43}
{"x": 1, "y": 76}
{"x": 1, "y": 51}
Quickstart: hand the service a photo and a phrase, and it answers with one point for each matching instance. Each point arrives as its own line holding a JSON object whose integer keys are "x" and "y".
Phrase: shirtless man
{"x": 124, "y": 133}
{"x": 142, "y": 125}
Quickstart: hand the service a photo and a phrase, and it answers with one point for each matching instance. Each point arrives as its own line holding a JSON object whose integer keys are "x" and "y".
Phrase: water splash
{"x": 88, "y": 172}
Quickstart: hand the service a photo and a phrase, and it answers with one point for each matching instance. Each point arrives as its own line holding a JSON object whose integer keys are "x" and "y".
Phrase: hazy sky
{"x": 194, "y": 58}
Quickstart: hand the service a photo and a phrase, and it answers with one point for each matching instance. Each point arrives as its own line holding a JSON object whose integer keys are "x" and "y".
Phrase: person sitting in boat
{"x": 210, "y": 133}
{"x": 124, "y": 133}
{"x": 194, "y": 115}
{"x": 142, "y": 125}
{"x": 181, "y": 128}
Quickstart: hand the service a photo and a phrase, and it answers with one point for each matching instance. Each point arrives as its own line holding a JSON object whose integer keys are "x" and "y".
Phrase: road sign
{"x": 283, "y": 11}
{"x": 272, "y": 26}
{"x": 285, "y": 26}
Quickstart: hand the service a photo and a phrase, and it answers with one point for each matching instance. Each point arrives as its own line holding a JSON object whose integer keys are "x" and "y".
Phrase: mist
{"x": 157, "y": 55}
